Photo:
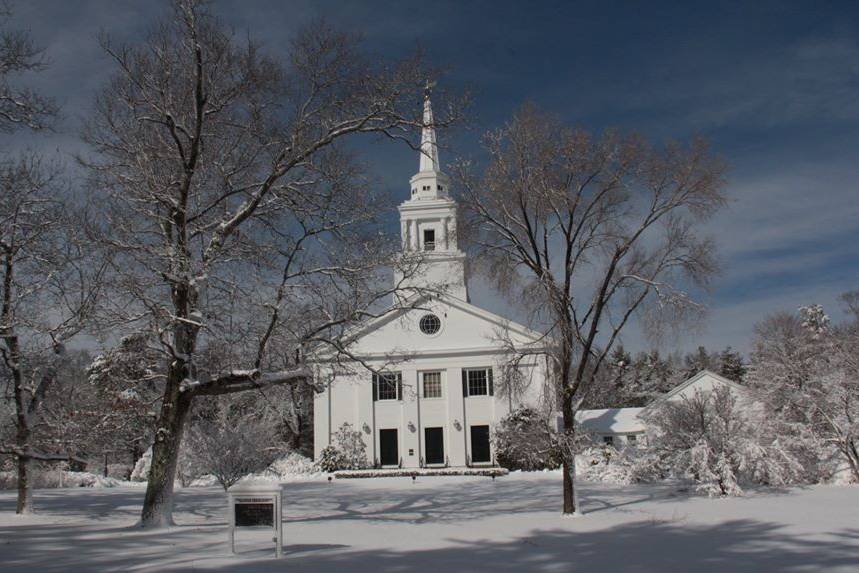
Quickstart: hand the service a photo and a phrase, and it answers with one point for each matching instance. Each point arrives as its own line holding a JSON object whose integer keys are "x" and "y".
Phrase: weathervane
{"x": 428, "y": 89}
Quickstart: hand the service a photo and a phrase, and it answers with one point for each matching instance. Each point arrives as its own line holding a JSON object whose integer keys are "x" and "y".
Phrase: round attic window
{"x": 430, "y": 324}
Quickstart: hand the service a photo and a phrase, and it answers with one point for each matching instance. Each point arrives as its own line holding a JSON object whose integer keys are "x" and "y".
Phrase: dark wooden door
{"x": 434, "y": 444}
{"x": 480, "y": 444}
{"x": 389, "y": 453}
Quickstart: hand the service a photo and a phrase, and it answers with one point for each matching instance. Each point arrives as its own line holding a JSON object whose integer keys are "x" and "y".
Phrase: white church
{"x": 434, "y": 396}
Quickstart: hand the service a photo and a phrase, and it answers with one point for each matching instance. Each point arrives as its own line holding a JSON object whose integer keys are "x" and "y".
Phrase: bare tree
{"x": 234, "y": 216}
{"x": 20, "y": 106}
{"x": 36, "y": 260}
{"x": 231, "y": 446}
{"x": 593, "y": 230}
{"x": 46, "y": 296}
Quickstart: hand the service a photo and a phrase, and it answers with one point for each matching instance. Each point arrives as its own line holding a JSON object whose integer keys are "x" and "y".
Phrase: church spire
{"x": 429, "y": 148}
{"x": 429, "y": 183}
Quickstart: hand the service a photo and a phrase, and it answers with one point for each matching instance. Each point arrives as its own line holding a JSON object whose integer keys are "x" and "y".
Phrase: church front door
{"x": 389, "y": 453}
{"x": 480, "y": 445}
{"x": 434, "y": 438}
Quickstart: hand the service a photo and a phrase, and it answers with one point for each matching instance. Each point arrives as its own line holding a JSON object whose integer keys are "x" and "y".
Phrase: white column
{"x": 413, "y": 234}
{"x": 404, "y": 234}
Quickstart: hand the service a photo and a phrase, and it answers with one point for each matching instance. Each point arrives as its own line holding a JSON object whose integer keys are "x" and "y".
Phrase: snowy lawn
{"x": 445, "y": 525}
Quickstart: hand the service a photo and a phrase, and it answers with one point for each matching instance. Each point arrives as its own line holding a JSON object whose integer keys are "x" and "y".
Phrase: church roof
{"x": 683, "y": 386}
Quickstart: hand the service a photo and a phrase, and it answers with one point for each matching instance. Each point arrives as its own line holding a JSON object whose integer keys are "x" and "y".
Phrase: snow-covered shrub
{"x": 347, "y": 451}
{"x": 331, "y": 459}
{"x": 141, "y": 468}
{"x": 523, "y": 441}
{"x": 721, "y": 446}
{"x": 292, "y": 464}
{"x": 351, "y": 443}
{"x": 607, "y": 465}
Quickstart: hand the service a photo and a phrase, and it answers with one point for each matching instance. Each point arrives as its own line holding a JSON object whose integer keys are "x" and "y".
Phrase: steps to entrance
{"x": 428, "y": 472}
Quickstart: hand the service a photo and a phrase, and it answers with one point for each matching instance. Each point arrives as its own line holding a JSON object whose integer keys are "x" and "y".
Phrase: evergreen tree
{"x": 699, "y": 360}
{"x": 731, "y": 365}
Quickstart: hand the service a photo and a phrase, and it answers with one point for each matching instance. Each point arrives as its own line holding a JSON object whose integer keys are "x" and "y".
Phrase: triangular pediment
{"x": 464, "y": 328}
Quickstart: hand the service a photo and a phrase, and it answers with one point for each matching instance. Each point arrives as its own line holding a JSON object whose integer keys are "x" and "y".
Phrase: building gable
{"x": 463, "y": 329}
{"x": 703, "y": 381}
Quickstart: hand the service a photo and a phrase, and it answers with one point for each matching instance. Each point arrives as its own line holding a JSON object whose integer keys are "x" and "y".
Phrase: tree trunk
{"x": 569, "y": 466}
{"x": 158, "y": 502}
{"x": 853, "y": 459}
{"x": 25, "y": 486}
{"x": 569, "y": 485}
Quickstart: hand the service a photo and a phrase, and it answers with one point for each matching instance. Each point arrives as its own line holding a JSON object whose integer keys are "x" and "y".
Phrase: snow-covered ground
{"x": 445, "y": 525}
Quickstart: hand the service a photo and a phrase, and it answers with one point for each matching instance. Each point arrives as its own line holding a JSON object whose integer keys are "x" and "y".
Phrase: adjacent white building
{"x": 616, "y": 427}
{"x": 620, "y": 427}
{"x": 436, "y": 392}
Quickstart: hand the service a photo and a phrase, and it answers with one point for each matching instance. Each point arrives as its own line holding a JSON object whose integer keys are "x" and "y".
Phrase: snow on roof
{"x": 611, "y": 420}
{"x": 692, "y": 382}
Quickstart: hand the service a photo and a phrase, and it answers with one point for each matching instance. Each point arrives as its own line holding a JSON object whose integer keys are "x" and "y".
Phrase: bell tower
{"x": 428, "y": 220}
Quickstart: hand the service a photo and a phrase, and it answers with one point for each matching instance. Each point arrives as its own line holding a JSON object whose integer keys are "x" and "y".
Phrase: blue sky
{"x": 773, "y": 85}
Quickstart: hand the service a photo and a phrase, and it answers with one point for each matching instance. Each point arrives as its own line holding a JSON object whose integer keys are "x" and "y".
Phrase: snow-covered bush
{"x": 292, "y": 464}
{"x": 523, "y": 441}
{"x": 141, "y": 468}
{"x": 720, "y": 445}
{"x": 347, "y": 452}
{"x": 604, "y": 464}
{"x": 87, "y": 479}
{"x": 331, "y": 460}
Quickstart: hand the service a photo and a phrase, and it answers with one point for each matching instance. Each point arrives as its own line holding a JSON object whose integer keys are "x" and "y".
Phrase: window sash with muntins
{"x": 477, "y": 382}
{"x": 432, "y": 384}
{"x": 387, "y": 386}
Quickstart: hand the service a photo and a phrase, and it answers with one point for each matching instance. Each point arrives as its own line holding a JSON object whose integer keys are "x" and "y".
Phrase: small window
{"x": 608, "y": 440}
{"x": 440, "y": 188}
{"x": 430, "y": 324}
{"x": 477, "y": 382}
{"x": 632, "y": 438}
{"x": 432, "y": 384}
{"x": 429, "y": 239}
{"x": 387, "y": 386}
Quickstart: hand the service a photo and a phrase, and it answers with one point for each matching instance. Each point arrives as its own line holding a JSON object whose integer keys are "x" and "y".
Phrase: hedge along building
{"x": 431, "y": 377}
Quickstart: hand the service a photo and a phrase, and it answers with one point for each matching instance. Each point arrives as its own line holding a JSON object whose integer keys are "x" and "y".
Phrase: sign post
{"x": 257, "y": 505}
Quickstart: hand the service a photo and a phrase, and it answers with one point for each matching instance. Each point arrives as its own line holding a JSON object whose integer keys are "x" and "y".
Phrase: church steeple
{"x": 429, "y": 148}
{"x": 429, "y": 182}
{"x": 428, "y": 218}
